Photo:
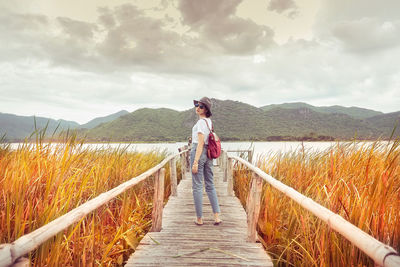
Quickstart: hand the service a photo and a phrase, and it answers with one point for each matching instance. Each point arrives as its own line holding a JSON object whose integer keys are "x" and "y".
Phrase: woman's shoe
{"x": 197, "y": 223}
{"x": 217, "y": 222}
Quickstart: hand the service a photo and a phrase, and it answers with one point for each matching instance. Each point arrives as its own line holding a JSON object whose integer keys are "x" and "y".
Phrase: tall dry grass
{"x": 42, "y": 181}
{"x": 359, "y": 181}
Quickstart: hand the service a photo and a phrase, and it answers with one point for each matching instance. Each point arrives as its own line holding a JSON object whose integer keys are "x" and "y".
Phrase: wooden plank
{"x": 222, "y": 245}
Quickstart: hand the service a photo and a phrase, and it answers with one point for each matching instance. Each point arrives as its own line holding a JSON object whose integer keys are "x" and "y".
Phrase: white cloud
{"x": 360, "y": 26}
{"x": 366, "y": 35}
{"x": 130, "y": 57}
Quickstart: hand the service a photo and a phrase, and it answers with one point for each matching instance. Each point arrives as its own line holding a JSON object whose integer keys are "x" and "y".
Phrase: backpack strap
{"x": 211, "y": 130}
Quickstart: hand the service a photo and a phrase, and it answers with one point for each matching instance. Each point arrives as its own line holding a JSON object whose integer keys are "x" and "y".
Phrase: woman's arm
{"x": 199, "y": 150}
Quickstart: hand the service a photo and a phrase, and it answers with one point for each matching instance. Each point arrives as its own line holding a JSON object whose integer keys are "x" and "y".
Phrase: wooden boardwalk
{"x": 182, "y": 243}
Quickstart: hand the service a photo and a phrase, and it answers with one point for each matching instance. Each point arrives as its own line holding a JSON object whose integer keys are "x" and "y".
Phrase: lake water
{"x": 259, "y": 148}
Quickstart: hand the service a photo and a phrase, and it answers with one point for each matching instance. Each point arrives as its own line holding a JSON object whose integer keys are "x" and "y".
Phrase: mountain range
{"x": 233, "y": 121}
{"x": 17, "y": 128}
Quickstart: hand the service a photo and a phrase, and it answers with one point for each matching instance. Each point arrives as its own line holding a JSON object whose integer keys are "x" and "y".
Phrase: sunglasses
{"x": 198, "y": 105}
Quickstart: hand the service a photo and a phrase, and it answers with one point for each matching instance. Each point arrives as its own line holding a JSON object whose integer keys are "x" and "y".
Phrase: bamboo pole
{"x": 22, "y": 262}
{"x": 230, "y": 177}
{"x": 9, "y": 253}
{"x": 158, "y": 201}
{"x": 174, "y": 181}
{"x": 253, "y": 207}
{"x": 383, "y": 255}
{"x": 6, "y": 258}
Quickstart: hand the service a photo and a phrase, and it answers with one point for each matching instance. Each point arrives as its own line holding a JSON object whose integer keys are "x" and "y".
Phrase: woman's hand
{"x": 195, "y": 167}
{"x": 199, "y": 150}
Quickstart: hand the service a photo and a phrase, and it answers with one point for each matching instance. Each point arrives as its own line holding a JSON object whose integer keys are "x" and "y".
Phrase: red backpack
{"x": 214, "y": 144}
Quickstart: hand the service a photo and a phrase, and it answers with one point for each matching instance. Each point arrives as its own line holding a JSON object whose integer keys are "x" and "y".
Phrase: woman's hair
{"x": 208, "y": 113}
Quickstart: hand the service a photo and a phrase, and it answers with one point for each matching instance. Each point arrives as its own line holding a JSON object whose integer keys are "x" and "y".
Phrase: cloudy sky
{"x": 77, "y": 60}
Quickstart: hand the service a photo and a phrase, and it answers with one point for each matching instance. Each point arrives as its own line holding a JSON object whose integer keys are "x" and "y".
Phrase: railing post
{"x": 225, "y": 160}
{"x": 158, "y": 201}
{"x": 253, "y": 207}
{"x": 250, "y": 156}
{"x": 187, "y": 161}
{"x": 218, "y": 160}
{"x": 183, "y": 166}
{"x": 230, "y": 177}
{"x": 174, "y": 180}
{"x": 187, "y": 158}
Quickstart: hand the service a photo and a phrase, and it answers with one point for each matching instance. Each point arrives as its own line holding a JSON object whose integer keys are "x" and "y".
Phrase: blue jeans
{"x": 204, "y": 172}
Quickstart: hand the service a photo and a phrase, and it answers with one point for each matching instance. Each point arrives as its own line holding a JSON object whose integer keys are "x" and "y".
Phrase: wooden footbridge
{"x": 174, "y": 239}
{"x": 183, "y": 243}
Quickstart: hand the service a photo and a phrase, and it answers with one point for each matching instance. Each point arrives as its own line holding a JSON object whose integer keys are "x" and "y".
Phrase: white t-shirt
{"x": 201, "y": 127}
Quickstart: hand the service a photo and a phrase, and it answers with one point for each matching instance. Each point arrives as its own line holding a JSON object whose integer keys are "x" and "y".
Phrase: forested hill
{"x": 356, "y": 112}
{"x": 235, "y": 120}
{"x": 15, "y": 127}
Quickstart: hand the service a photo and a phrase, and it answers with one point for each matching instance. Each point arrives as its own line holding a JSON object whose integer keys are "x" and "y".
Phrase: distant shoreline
{"x": 184, "y": 141}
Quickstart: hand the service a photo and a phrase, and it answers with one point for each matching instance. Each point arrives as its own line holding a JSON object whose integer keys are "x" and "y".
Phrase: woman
{"x": 201, "y": 165}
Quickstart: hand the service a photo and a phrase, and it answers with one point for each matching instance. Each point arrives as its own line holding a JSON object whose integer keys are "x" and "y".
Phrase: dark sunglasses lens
{"x": 198, "y": 105}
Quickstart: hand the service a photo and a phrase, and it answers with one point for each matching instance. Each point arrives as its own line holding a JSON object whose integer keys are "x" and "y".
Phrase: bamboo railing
{"x": 248, "y": 151}
{"x": 382, "y": 254}
{"x": 13, "y": 254}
